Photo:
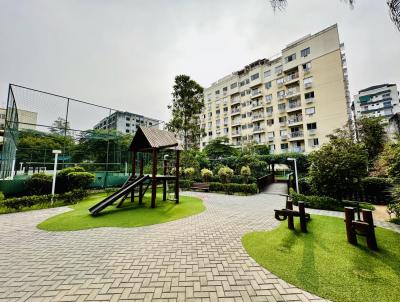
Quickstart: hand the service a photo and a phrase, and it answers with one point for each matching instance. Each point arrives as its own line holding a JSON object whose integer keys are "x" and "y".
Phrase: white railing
{"x": 292, "y": 77}
{"x": 296, "y": 134}
{"x": 296, "y": 119}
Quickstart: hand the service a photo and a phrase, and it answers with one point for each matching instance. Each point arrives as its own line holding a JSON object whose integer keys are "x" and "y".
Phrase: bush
{"x": 189, "y": 172}
{"x": 74, "y": 195}
{"x": 231, "y": 188}
{"x": 305, "y": 185}
{"x": 206, "y": 174}
{"x": 315, "y": 202}
{"x": 185, "y": 183}
{"x": 38, "y": 184}
{"x": 377, "y": 189}
{"x": 245, "y": 172}
{"x": 225, "y": 173}
{"x": 26, "y": 201}
{"x": 79, "y": 180}
{"x": 62, "y": 182}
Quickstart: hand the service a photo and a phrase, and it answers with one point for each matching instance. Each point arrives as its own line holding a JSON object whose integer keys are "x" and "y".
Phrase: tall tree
{"x": 219, "y": 148}
{"x": 372, "y": 134}
{"x": 187, "y": 104}
{"x": 60, "y": 126}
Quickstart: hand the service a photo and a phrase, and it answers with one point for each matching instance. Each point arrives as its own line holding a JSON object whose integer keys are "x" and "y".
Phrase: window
{"x": 280, "y": 94}
{"x": 308, "y": 82}
{"x": 305, "y": 52}
{"x": 243, "y": 93}
{"x": 309, "y": 95}
{"x": 271, "y": 134}
{"x": 216, "y": 91}
{"x": 268, "y": 85}
{"x": 128, "y": 118}
{"x": 280, "y": 81}
{"x": 249, "y": 114}
{"x": 127, "y": 130}
{"x": 270, "y": 122}
{"x": 244, "y": 115}
{"x": 267, "y": 73}
{"x": 282, "y": 119}
{"x": 306, "y": 66}
{"x": 247, "y": 81}
{"x": 290, "y": 58}
{"x": 225, "y": 89}
{"x": 128, "y": 125}
{"x": 248, "y": 91}
{"x": 270, "y": 109}
{"x": 234, "y": 85}
{"x": 284, "y": 146}
{"x": 268, "y": 98}
{"x": 225, "y": 109}
{"x": 311, "y": 126}
{"x": 244, "y": 126}
{"x": 255, "y": 76}
{"x": 226, "y": 130}
{"x": 225, "y": 121}
{"x": 283, "y": 132}
{"x": 310, "y": 111}
{"x": 278, "y": 69}
{"x": 218, "y": 111}
{"x": 209, "y": 125}
{"x": 210, "y": 133}
{"x": 313, "y": 142}
{"x": 282, "y": 107}
{"x": 210, "y": 114}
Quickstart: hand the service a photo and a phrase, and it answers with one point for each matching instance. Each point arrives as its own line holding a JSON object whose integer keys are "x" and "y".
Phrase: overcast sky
{"x": 125, "y": 54}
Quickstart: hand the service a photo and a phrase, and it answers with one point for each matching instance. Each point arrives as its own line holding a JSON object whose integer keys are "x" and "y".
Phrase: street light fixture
{"x": 295, "y": 172}
{"x": 53, "y": 187}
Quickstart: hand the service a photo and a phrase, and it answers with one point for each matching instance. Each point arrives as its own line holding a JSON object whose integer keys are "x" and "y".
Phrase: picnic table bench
{"x": 201, "y": 186}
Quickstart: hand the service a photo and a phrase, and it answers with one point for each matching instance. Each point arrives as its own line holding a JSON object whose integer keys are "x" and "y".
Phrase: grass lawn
{"x": 130, "y": 215}
{"x": 323, "y": 263}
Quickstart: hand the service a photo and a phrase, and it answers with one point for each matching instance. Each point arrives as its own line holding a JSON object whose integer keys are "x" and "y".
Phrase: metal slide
{"x": 126, "y": 189}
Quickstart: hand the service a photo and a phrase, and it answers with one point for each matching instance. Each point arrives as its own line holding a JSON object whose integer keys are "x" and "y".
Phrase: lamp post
{"x": 53, "y": 187}
{"x": 295, "y": 172}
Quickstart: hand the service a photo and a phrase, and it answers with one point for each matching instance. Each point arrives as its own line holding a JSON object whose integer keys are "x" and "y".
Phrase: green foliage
{"x": 74, "y": 196}
{"x": 377, "y": 188}
{"x": 219, "y": 148}
{"x": 80, "y": 180}
{"x": 372, "y": 135}
{"x": 394, "y": 206}
{"x": 390, "y": 161}
{"x": 225, "y": 174}
{"x": 189, "y": 172}
{"x": 63, "y": 183}
{"x": 185, "y": 184}
{"x": 337, "y": 167}
{"x": 38, "y": 184}
{"x": 206, "y": 174}
{"x": 25, "y": 201}
{"x": 187, "y": 104}
{"x": 231, "y": 188}
{"x": 315, "y": 202}
{"x": 245, "y": 172}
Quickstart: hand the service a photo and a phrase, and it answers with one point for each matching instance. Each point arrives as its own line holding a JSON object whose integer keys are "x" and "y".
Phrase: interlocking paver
{"x": 199, "y": 258}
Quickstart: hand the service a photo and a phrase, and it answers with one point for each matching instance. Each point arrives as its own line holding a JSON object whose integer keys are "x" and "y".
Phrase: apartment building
{"x": 126, "y": 122}
{"x": 380, "y": 100}
{"x": 26, "y": 119}
{"x": 290, "y": 101}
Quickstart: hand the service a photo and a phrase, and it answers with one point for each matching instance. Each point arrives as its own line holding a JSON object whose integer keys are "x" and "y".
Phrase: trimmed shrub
{"x": 188, "y": 172}
{"x": 315, "y": 202}
{"x": 206, "y": 174}
{"x": 225, "y": 174}
{"x": 231, "y": 188}
{"x": 245, "y": 172}
{"x": 38, "y": 184}
{"x": 62, "y": 182}
{"x": 26, "y": 201}
{"x": 80, "y": 180}
{"x": 185, "y": 184}
{"x": 305, "y": 185}
{"x": 74, "y": 196}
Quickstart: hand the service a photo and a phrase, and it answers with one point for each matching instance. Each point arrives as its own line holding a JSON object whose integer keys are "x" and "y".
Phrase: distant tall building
{"x": 26, "y": 119}
{"x": 126, "y": 122}
{"x": 290, "y": 102}
{"x": 380, "y": 100}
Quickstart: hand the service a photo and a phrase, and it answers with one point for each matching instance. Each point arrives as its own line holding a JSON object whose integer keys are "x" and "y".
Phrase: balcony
{"x": 295, "y": 119}
{"x": 271, "y": 138}
{"x": 291, "y": 78}
{"x": 298, "y": 149}
{"x": 310, "y": 100}
{"x": 257, "y": 105}
{"x": 236, "y": 122}
{"x": 235, "y": 111}
{"x": 294, "y": 106}
{"x": 308, "y": 85}
{"x": 257, "y": 117}
{"x": 281, "y": 96}
{"x": 283, "y": 124}
{"x": 235, "y": 101}
{"x": 280, "y": 83}
{"x": 284, "y": 137}
{"x": 269, "y": 113}
{"x": 296, "y": 135}
{"x": 255, "y": 93}
{"x": 292, "y": 92}
{"x": 236, "y": 133}
{"x": 312, "y": 132}
{"x": 307, "y": 70}
{"x": 282, "y": 109}
{"x": 258, "y": 129}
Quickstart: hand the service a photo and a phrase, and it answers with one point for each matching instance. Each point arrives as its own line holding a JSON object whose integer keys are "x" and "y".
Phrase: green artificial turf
{"x": 130, "y": 215}
{"x": 323, "y": 263}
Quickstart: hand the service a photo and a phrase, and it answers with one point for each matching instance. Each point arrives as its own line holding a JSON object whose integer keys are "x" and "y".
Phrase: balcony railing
{"x": 307, "y": 70}
{"x": 294, "y": 105}
{"x": 255, "y": 93}
{"x": 258, "y": 129}
{"x": 281, "y": 109}
{"x": 271, "y": 138}
{"x": 235, "y": 110}
{"x": 296, "y": 119}
{"x": 236, "y": 133}
{"x": 236, "y": 122}
{"x": 257, "y": 117}
{"x": 292, "y": 77}
{"x": 308, "y": 85}
{"x": 291, "y": 92}
{"x": 298, "y": 149}
{"x": 269, "y": 113}
{"x": 312, "y": 131}
{"x": 281, "y": 96}
{"x": 296, "y": 134}
{"x": 284, "y": 136}
{"x": 257, "y": 104}
{"x": 309, "y": 100}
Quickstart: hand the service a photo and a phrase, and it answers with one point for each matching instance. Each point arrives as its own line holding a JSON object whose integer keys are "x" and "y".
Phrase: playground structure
{"x": 289, "y": 214}
{"x": 146, "y": 140}
{"x": 364, "y": 227}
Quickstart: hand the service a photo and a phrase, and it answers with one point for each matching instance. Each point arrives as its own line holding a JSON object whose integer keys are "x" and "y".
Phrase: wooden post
{"x": 133, "y": 173}
{"x": 290, "y": 223}
{"x": 349, "y": 217}
{"x": 302, "y": 213}
{"x": 154, "y": 179}
{"x": 177, "y": 177}
{"x": 141, "y": 185}
{"x": 164, "y": 198}
{"x": 371, "y": 238}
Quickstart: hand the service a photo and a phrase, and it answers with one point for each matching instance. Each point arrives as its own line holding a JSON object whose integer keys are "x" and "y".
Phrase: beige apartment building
{"x": 290, "y": 102}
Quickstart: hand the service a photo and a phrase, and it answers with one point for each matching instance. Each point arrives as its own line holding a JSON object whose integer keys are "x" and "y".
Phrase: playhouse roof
{"x": 146, "y": 139}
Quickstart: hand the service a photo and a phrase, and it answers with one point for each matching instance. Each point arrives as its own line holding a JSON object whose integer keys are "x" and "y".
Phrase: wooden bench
{"x": 200, "y": 186}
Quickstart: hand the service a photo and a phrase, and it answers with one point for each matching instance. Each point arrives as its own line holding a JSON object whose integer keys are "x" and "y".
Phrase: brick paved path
{"x": 199, "y": 258}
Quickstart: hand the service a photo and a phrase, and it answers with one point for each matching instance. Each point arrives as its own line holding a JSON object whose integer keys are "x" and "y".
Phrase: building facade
{"x": 289, "y": 102}
{"x": 26, "y": 119}
{"x": 380, "y": 100}
{"x": 126, "y": 122}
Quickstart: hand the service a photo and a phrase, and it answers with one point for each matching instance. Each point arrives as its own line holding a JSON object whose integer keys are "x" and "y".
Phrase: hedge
{"x": 229, "y": 188}
{"x": 324, "y": 202}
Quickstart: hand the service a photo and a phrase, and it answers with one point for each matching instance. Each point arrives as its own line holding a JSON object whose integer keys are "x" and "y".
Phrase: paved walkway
{"x": 199, "y": 258}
